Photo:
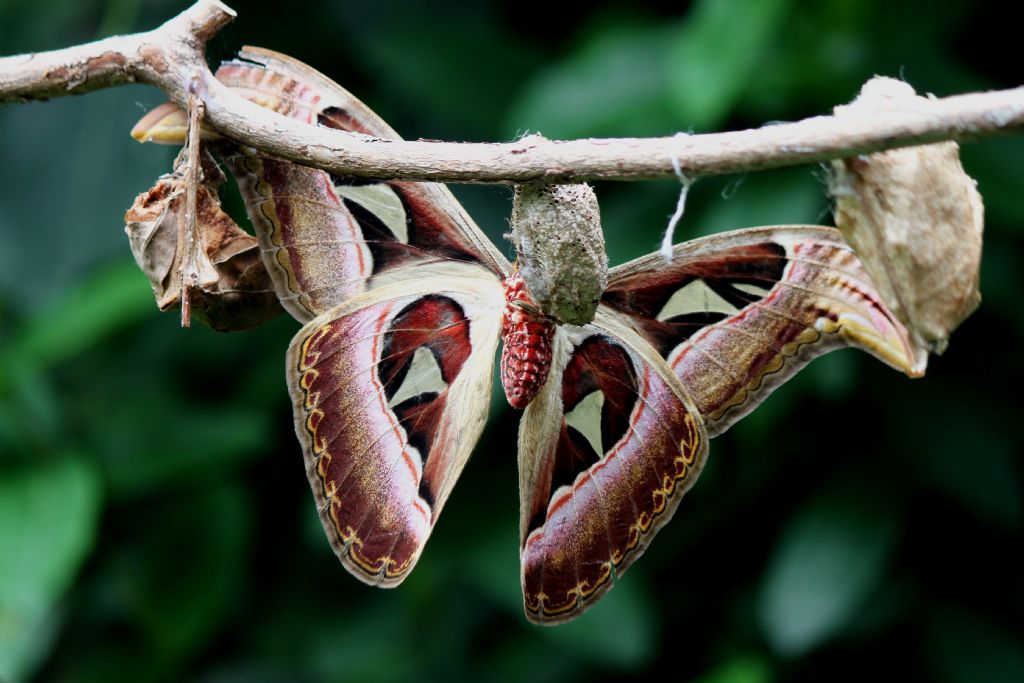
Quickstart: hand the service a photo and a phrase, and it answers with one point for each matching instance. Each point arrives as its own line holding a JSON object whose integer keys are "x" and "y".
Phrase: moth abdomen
{"x": 526, "y": 354}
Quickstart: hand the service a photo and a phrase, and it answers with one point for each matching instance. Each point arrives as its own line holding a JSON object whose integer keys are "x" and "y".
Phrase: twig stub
{"x": 187, "y": 237}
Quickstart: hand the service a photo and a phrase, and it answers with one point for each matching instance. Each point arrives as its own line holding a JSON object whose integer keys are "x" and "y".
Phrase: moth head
{"x": 556, "y": 230}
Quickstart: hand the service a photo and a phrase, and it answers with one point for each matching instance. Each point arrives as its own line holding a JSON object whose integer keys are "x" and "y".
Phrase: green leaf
{"x": 113, "y": 299}
{"x": 48, "y": 521}
{"x": 515, "y": 658}
{"x": 786, "y": 196}
{"x": 962, "y": 648}
{"x": 618, "y": 630}
{"x": 613, "y": 85}
{"x": 63, "y": 221}
{"x": 716, "y": 55}
{"x": 833, "y": 553}
{"x": 464, "y": 95}
{"x": 963, "y": 455}
{"x": 193, "y": 443}
{"x": 743, "y": 668}
{"x": 187, "y": 567}
{"x": 33, "y": 405}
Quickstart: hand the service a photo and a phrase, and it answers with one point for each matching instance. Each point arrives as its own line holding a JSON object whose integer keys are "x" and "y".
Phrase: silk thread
{"x": 685, "y": 182}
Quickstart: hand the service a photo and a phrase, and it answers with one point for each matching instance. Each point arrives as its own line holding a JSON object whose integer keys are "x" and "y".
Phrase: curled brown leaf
{"x": 233, "y": 290}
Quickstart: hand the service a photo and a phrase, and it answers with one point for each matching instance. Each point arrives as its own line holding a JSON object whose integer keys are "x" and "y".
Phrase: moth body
{"x": 527, "y": 334}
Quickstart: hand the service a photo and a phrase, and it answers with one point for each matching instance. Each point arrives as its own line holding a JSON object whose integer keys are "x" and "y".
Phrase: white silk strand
{"x": 685, "y": 182}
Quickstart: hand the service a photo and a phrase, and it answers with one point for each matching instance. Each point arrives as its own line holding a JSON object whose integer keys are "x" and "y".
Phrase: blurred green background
{"x": 155, "y": 520}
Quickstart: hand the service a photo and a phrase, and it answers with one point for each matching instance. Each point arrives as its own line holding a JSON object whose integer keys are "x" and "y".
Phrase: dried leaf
{"x": 233, "y": 291}
{"x": 915, "y": 219}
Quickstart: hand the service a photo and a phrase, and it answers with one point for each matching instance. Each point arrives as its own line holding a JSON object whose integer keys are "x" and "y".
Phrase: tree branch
{"x": 162, "y": 57}
{"x": 171, "y": 58}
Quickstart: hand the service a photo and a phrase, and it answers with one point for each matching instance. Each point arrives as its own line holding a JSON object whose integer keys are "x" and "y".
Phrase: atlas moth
{"x": 404, "y": 303}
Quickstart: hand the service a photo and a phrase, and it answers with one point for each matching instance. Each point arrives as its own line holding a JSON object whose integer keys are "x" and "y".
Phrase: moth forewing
{"x": 842, "y": 283}
{"x": 390, "y": 393}
{"x": 736, "y": 314}
{"x": 341, "y": 109}
{"x": 328, "y": 93}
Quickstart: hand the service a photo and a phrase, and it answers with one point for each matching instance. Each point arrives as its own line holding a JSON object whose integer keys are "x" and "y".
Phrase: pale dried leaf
{"x": 915, "y": 219}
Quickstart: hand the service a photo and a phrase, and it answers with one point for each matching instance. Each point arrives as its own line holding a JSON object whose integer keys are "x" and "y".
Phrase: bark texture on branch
{"x": 162, "y": 57}
{"x": 171, "y": 57}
